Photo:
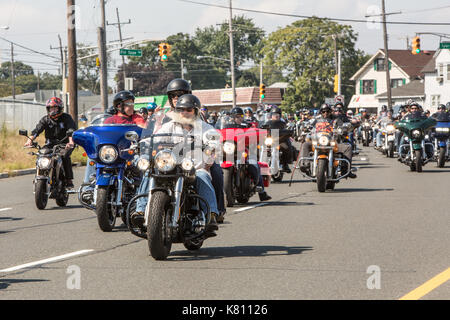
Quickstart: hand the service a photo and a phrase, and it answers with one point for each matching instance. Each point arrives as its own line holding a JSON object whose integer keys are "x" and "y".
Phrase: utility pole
{"x": 120, "y": 37}
{"x": 339, "y": 73}
{"x": 232, "y": 56}
{"x": 335, "y": 53}
{"x": 103, "y": 58}
{"x": 72, "y": 61}
{"x": 63, "y": 53}
{"x": 260, "y": 77}
{"x": 13, "y": 76}
{"x": 182, "y": 69}
{"x": 386, "y": 56}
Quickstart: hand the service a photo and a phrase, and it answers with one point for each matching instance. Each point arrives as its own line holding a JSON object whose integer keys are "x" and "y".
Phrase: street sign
{"x": 339, "y": 98}
{"x": 444, "y": 45}
{"x": 128, "y": 83}
{"x": 131, "y": 52}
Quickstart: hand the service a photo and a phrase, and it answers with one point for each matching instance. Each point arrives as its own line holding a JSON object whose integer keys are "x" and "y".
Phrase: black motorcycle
{"x": 174, "y": 213}
{"x": 50, "y": 179}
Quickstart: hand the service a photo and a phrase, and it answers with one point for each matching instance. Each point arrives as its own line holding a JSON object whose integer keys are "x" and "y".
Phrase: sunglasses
{"x": 129, "y": 104}
{"x": 177, "y": 94}
{"x": 325, "y": 111}
{"x": 184, "y": 109}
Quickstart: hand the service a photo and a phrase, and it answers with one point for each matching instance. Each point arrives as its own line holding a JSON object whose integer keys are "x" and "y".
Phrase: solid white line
{"x": 36, "y": 263}
{"x": 251, "y": 207}
{"x": 4, "y": 209}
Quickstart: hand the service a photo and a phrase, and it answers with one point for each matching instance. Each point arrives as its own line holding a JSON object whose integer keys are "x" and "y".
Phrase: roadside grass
{"x": 14, "y": 157}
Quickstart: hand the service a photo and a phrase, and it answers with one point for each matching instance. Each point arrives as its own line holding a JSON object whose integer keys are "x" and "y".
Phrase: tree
{"x": 88, "y": 72}
{"x": 305, "y": 51}
{"x": 20, "y": 69}
{"x": 50, "y": 81}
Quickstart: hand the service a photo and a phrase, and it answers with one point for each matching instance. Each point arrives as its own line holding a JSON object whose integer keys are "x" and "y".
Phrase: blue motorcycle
{"x": 441, "y": 140}
{"x": 111, "y": 150}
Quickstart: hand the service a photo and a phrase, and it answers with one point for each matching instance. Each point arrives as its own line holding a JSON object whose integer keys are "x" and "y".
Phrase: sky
{"x": 36, "y": 24}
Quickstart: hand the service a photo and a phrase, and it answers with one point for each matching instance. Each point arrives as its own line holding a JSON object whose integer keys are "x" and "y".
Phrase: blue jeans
{"x": 379, "y": 143}
{"x": 204, "y": 188}
{"x": 255, "y": 172}
{"x": 217, "y": 182}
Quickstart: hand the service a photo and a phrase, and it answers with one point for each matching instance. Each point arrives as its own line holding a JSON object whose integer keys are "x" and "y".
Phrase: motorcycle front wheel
{"x": 418, "y": 160}
{"x": 105, "y": 216}
{"x": 322, "y": 175}
{"x": 158, "y": 230}
{"x": 441, "y": 158}
{"x": 390, "y": 150}
{"x": 228, "y": 186}
{"x": 40, "y": 194}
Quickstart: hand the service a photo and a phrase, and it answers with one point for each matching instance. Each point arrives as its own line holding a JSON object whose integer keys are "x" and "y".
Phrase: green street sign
{"x": 131, "y": 52}
{"x": 444, "y": 45}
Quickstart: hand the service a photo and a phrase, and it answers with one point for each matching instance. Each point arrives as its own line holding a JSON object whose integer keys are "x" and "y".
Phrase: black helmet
{"x": 176, "y": 88}
{"x": 324, "y": 107}
{"x": 111, "y": 110}
{"x": 187, "y": 101}
{"x": 237, "y": 111}
{"x": 442, "y": 107}
{"x": 275, "y": 109}
{"x": 120, "y": 97}
{"x": 384, "y": 107}
{"x": 143, "y": 110}
{"x": 339, "y": 103}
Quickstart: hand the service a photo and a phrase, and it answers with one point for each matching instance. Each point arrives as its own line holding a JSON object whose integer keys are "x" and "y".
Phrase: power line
{"x": 308, "y": 17}
{"x": 29, "y": 49}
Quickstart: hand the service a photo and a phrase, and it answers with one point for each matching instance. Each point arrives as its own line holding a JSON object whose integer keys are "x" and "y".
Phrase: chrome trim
{"x": 178, "y": 192}
{"x": 151, "y": 186}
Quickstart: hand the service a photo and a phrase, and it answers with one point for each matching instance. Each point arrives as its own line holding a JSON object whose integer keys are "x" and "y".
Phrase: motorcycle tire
{"x": 390, "y": 151}
{"x": 62, "y": 200}
{"x": 332, "y": 184}
{"x": 228, "y": 187}
{"x": 192, "y": 246}
{"x": 441, "y": 158}
{"x": 322, "y": 175}
{"x": 278, "y": 177}
{"x": 158, "y": 232}
{"x": 106, "y": 218}
{"x": 418, "y": 160}
{"x": 40, "y": 194}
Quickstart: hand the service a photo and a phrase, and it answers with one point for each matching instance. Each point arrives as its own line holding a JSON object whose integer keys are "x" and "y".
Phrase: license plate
{"x": 391, "y": 138}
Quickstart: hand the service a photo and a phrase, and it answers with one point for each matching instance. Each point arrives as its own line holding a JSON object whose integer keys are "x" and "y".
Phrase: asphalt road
{"x": 379, "y": 236}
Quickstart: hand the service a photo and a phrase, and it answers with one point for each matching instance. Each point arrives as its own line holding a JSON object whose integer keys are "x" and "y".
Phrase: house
{"x": 437, "y": 80}
{"x": 404, "y": 68}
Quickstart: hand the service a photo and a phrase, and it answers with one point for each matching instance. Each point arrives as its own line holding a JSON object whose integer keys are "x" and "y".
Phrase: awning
{"x": 363, "y": 101}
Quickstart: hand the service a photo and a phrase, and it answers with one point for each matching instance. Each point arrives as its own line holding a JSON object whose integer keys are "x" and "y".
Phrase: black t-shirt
{"x": 55, "y": 130}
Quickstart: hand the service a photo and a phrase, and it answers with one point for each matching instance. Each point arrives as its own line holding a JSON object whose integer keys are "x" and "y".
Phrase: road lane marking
{"x": 40, "y": 262}
{"x": 251, "y": 207}
{"x": 428, "y": 286}
{"x": 5, "y": 209}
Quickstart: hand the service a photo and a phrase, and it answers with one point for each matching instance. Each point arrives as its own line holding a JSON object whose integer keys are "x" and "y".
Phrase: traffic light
{"x": 169, "y": 50}
{"x": 97, "y": 62}
{"x": 336, "y": 83}
{"x": 415, "y": 45}
{"x": 163, "y": 51}
{"x": 262, "y": 91}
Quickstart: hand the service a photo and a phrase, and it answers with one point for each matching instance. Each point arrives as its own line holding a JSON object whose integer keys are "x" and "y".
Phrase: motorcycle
{"x": 441, "y": 141}
{"x": 173, "y": 213}
{"x": 326, "y": 164}
{"x": 116, "y": 179}
{"x": 270, "y": 152}
{"x": 413, "y": 152}
{"x": 238, "y": 182}
{"x": 366, "y": 133}
{"x": 49, "y": 181}
{"x": 388, "y": 132}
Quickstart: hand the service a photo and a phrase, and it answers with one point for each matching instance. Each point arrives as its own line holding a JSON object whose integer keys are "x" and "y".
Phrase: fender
{"x": 227, "y": 164}
{"x": 58, "y": 169}
{"x": 105, "y": 179}
{"x": 42, "y": 178}
{"x": 442, "y": 143}
{"x": 417, "y": 146}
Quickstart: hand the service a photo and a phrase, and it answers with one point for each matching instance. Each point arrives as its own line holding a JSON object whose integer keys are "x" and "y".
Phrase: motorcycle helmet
{"x": 237, "y": 111}
{"x": 350, "y": 113}
{"x": 111, "y": 110}
{"x": 325, "y": 107}
{"x": 54, "y": 102}
{"x": 120, "y": 97}
{"x": 275, "y": 109}
{"x": 442, "y": 107}
{"x": 189, "y": 101}
{"x": 143, "y": 110}
{"x": 177, "y": 88}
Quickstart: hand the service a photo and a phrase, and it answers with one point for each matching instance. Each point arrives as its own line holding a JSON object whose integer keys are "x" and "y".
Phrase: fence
{"x": 19, "y": 114}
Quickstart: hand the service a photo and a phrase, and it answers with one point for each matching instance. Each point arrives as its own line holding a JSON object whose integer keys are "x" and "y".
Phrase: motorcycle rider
{"x": 441, "y": 114}
{"x": 344, "y": 148}
{"x": 175, "y": 89}
{"x": 186, "y": 120}
{"x": 124, "y": 104}
{"x": 55, "y": 124}
{"x": 286, "y": 147}
{"x": 144, "y": 113}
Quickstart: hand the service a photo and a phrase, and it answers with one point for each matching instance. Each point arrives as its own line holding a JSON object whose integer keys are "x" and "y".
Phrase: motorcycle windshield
{"x": 95, "y": 136}
{"x": 413, "y": 123}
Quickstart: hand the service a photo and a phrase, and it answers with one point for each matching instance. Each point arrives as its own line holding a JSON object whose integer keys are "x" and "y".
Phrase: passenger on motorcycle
{"x": 344, "y": 148}
{"x": 124, "y": 104}
{"x": 55, "y": 124}
{"x": 441, "y": 114}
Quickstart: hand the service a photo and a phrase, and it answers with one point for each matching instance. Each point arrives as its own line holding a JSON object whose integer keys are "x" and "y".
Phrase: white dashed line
{"x": 251, "y": 207}
{"x": 5, "y": 209}
{"x": 40, "y": 262}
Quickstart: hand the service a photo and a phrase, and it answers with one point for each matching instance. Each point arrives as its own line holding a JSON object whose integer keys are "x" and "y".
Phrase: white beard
{"x": 176, "y": 117}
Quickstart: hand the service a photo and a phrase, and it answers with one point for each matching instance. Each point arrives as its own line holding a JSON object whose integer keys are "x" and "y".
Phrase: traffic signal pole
{"x": 232, "y": 56}
{"x": 386, "y": 56}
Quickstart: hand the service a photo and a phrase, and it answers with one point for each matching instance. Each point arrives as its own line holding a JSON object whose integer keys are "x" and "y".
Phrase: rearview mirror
{"x": 70, "y": 132}
{"x": 23, "y": 133}
{"x": 131, "y": 136}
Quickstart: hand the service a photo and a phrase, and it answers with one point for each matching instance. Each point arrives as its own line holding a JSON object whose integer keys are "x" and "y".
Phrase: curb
{"x": 16, "y": 173}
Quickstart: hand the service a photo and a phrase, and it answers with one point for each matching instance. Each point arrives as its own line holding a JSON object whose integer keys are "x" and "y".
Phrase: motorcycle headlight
{"x": 165, "y": 160}
{"x": 268, "y": 141}
{"x": 187, "y": 164}
{"x": 108, "y": 154}
{"x": 324, "y": 141}
{"x": 143, "y": 164}
{"x": 427, "y": 137}
{"x": 390, "y": 128}
{"x": 416, "y": 133}
{"x": 228, "y": 147}
{"x": 44, "y": 163}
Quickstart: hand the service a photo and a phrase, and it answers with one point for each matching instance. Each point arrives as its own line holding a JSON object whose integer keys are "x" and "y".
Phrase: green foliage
{"x": 305, "y": 50}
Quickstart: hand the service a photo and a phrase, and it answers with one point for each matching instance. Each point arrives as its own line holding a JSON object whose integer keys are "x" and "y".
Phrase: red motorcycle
{"x": 240, "y": 151}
